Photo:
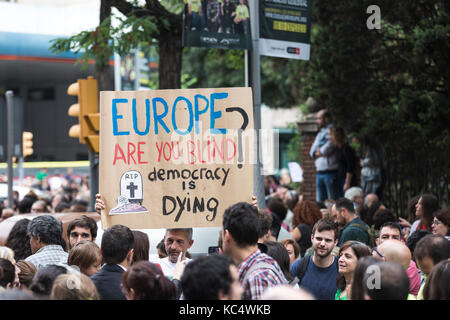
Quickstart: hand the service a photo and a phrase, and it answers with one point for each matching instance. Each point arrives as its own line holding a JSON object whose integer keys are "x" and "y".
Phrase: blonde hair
{"x": 7, "y": 253}
{"x": 74, "y": 286}
{"x": 83, "y": 255}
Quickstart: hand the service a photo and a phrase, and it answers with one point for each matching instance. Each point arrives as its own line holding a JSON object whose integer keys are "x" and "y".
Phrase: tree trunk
{"x": 103, "y": 74}
{"x": 170, "y": 52}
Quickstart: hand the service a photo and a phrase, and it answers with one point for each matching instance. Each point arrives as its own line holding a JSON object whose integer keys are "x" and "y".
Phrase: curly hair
{"x": 19, "y": 240}
{"x": 306, "y": 212}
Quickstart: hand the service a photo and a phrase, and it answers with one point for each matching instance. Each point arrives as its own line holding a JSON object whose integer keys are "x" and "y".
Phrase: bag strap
{"x": 302, "y": 268}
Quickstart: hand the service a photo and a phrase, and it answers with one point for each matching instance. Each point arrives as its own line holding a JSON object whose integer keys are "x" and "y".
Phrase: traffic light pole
{"x": 10, "y": 145}
{"x": 93, "y": 179}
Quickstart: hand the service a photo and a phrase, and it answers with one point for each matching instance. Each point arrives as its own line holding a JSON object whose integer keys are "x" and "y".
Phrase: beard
{"x": 322, "y": 252}
{"x": 173, "y": 255}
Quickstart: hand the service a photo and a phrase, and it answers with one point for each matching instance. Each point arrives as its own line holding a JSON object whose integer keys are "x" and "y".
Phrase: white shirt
{"x": 168, "y": 267}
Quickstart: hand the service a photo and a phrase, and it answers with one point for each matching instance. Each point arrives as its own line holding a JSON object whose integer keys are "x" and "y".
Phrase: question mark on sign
{"x": 244, "y": 125}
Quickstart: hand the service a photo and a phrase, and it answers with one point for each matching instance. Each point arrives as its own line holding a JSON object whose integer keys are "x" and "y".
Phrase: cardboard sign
{"x": 175, "y": 158}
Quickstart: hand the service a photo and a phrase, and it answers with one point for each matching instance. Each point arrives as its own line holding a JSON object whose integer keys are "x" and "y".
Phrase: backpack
{"x": 303, "y": 266}
{"x": 370, "y": 233}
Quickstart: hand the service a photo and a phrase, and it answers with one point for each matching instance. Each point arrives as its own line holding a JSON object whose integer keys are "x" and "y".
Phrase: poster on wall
{"x": 223, "y": 24}
{"x": 175, "y": 158}
{"x": 285, "y": 28}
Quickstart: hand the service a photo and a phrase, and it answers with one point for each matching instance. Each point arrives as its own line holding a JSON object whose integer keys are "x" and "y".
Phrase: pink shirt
{"x": 414, "y": 278}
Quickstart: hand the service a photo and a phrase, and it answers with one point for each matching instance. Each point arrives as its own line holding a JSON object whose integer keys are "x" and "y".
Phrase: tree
{"x": 155, "y": 22}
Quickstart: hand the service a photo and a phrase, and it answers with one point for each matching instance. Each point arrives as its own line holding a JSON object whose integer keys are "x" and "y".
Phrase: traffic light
{"x": 27, "y": 144}
{"x": 87, "y": 112}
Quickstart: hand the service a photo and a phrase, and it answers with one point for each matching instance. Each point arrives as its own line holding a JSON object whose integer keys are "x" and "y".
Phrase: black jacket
{"x": 108, "y": 282}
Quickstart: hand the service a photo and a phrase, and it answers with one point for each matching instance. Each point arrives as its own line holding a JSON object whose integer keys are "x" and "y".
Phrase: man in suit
{"x": 117, "y": 250}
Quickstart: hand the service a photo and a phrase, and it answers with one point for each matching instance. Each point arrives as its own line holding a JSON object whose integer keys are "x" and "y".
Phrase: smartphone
{"x": 213, "y": 250}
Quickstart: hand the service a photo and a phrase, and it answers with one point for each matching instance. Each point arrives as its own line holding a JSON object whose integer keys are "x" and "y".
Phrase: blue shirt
{"x": 329, "y": 161}
{"x": 320, "y": 282}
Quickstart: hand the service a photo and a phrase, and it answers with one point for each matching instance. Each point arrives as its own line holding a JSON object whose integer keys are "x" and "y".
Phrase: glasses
{"x": 436, "y": 222}
{"x": 375, "y": 249}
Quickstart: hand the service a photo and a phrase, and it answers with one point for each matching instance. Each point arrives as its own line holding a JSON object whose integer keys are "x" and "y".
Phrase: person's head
{"x": 19, "y": 240}
{"x": 177, "y": 241}
{"x": 279, "y": 253}
{"x": 266, "y": 222}
{"x": 161, "y": 248}
{"x": 349, "y": 254}
{"x": 82, "y": 228}
{"x": 358, "y": 287}
{"x": 411, "y": 207}
{"x": 425, "y": 207}
{"x": 86, "y": 256}
{"x": 293, "y": 249}
{"x": 25, "y": 204}
{"x": 414, "y": 238}
{"x": 291, "y": 199}
{"x": 441, "y": 222}
{"x": 355, "y": 195}
{"x": 27, "y": 270}
{"x": 7, "y": 273}
{"x": 74, "y": 286}
{"x": 79, "y": 205}
{"x": 145, "y": 281}
{"x": 276, "y": 206}
{"x": 44, "y": 230}
{"x": 306, "y": 212}
{"x": 393, "y": 282}
{"x": 62, "y": 207}
{"x": 324, "y": 237}
{"x": 39, "y": 206}
{"x": 337, "y": 136}
{"x": 42, "y": 282}
{"x": 437, "y": 285}
{"x": 431, "y": 250}
{"x": 241, "y": 227}
{"x": 370, "y": 199}
{"x": 212, "y": 277}
{"x": 286, "y": 292}
{"x": 389, "y": 231}
{"x": 57, "y": 199}
{"x": 382, "y": 216}
{"x": 117, "y": 245}
{"x": 141, "y": 246}
{"x": 323, "y": 118}
{"x": 7, "y": 253}
{"x": 393, "y": 251}
{"x": 344, "y": 211}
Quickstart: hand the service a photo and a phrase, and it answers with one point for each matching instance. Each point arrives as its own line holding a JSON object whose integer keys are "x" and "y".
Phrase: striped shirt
{"x": 256, "y": 279}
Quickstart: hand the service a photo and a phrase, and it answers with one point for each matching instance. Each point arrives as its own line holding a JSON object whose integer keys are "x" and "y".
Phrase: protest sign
{"x": 174, "y": 158}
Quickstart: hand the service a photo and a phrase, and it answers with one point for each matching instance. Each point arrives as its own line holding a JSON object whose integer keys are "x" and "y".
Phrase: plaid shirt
{"x": 51, "y": 254}
{"x": 261, "y": 278}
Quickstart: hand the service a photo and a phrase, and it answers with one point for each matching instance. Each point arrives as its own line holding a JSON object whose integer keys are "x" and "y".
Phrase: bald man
{"x": 397, "y": 252}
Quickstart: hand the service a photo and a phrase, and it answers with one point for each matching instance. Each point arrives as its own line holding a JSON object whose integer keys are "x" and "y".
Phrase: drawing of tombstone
{"x": 131, "y": 194}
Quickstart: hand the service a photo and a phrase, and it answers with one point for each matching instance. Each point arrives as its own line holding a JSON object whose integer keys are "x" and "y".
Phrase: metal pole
{"x": 10, "y": 144}
{"x": 255, "y": 68}
{"x": 93, "y": 179}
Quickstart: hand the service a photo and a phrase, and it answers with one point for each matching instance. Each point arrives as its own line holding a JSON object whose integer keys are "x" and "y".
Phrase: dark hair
{"x": 42, "y": 282}
{"x": 266, "y": 222}
{"x": 205, "y": 277}
{"x": 279, "y": 253}
{"x": 391, "y": 225}
{"x": 141, "y": 246}
{"x": 243, "y": 223}
{"x": 161, "y": 246}
{"x": 307, "y": 212}
{"x": 430, "y": 205}
{"x": 292, "y": 199}
{"x": 148, "y": 282}
{"x": 358, "y": 285}
{"x": 437, "y": 285}
{"x": 83, "y": 222}
{"x": 26, "y": 273}
{"x": 339, "y": 135}
{"x": 62, "y": 206}
{"x": 360, "y": 250}
{"x": 325, "y": 224}
{"x": 443, "y": 216}
{"x": 117, "y": 241}
{"x": 79, "y": 206}
{"x": 412, "y": 202}
{"x": 434, "y": 246}
{"x": 25, "y": 204}
{"x": 414, "y": 238}
{"x": 345, "y": 203}
{"x": 276, "y": 206}
{"x": 381, "y": 217}
{"x": 8, "y": 273}
{"x": 18, "y": 240}
{"x": 394, "y": 282}
{"x": 47, "y": 228}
